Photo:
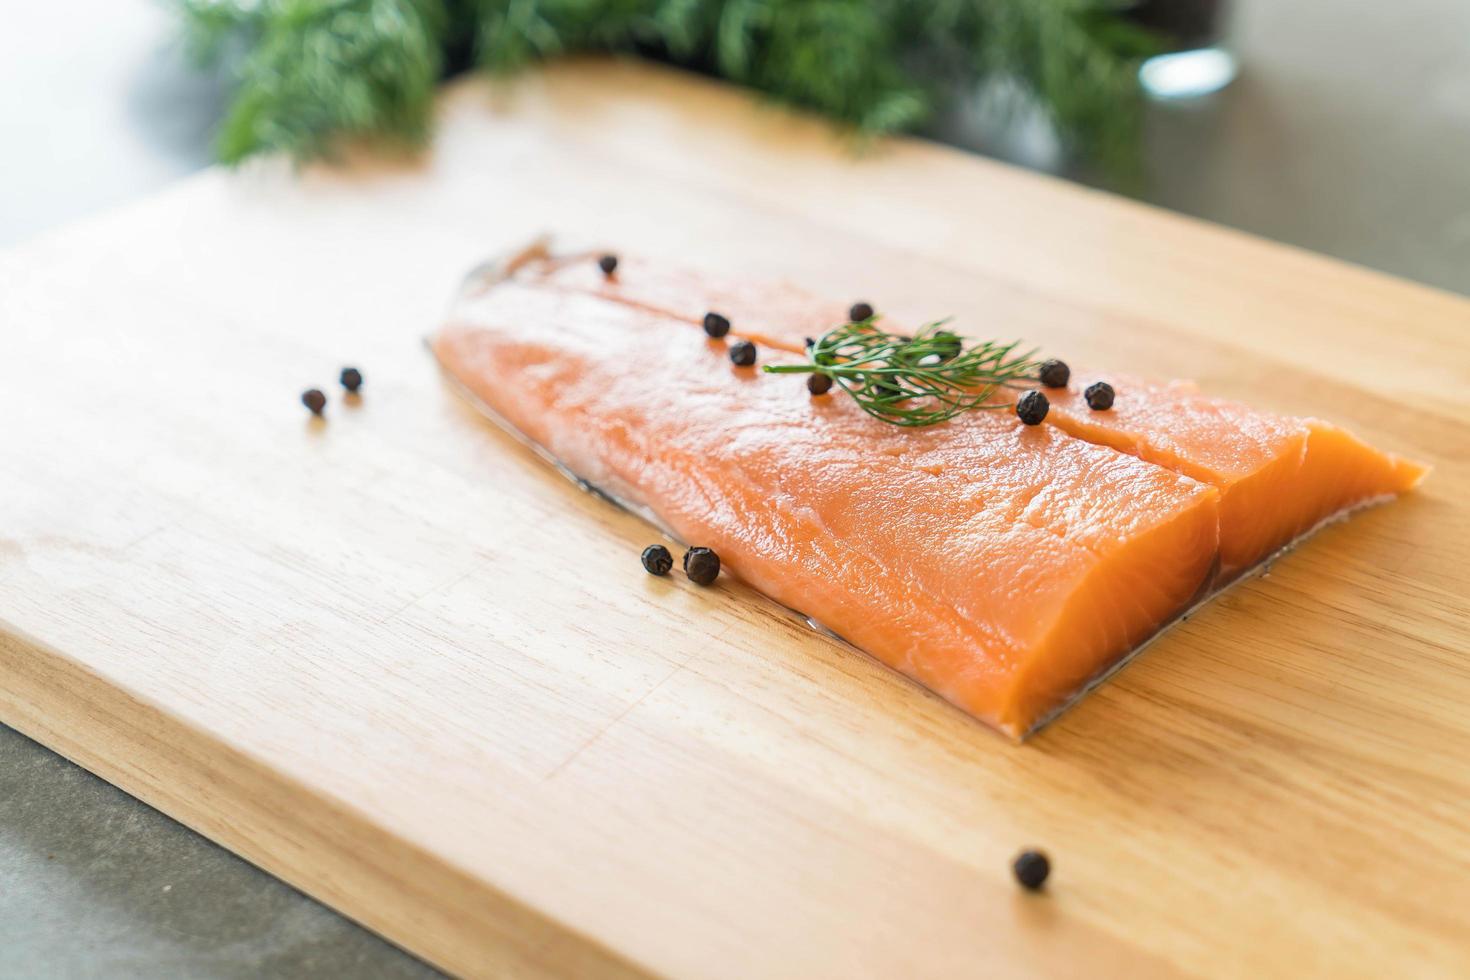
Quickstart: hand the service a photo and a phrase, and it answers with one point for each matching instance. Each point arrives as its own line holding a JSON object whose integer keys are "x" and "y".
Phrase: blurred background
{"x": 1346, "y": 131}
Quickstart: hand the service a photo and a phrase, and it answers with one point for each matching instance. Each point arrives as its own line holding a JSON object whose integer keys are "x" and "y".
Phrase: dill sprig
{"x": 915, "y": 381}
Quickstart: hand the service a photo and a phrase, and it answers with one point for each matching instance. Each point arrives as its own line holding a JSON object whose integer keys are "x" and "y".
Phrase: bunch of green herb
{"x": 309, "y": 72}
{"x": 915, "y": 381}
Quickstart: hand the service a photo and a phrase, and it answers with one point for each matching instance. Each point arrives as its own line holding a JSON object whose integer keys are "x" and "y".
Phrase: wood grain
{"x": 394, "y": 659}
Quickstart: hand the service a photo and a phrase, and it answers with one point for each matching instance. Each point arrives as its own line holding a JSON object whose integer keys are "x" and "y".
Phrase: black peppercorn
{"x": 859, "y": 312}
{"x": 657, "y": 560}
{"x": 313, "y": 399}
{"x": 716, "y": 325}
{"x": 742, "y": 353}
{"x": 351, "y": 379}
{"x": 1054, "y": 373}
{"x": 1031, "y": 869}
{"x": 1099, "y": 396}
{"x": 608, "y": 264}
{"x": 811, "y": 342}
{"x": 819, "y": 384}
{"x": 1032, "y": 407}
{"x": 701, "y": 565}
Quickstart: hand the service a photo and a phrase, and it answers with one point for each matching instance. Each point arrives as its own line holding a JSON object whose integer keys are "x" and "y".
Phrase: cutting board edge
{"x": 49, "y": 697}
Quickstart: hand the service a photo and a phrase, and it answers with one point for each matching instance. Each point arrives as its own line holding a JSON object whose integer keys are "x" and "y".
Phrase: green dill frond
{"x": 920, "y": 380}
{"x": 314, "y": 70}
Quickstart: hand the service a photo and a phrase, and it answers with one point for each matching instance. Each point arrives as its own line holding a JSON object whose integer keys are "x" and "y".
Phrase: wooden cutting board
{"x": 396, "y": 660}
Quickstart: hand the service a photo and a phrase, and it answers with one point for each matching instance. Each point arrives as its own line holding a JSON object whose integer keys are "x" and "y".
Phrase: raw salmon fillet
{"x": 1004, "y": 567}
{"x": 1279, "y": 477}
{"x": 1001, "y": 566}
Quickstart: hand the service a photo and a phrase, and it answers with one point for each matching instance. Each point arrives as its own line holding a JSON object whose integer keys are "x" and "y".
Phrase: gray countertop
{"x": 1347, "y": 133}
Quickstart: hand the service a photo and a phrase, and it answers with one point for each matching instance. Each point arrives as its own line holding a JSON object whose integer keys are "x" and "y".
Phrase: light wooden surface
{"x": 396, "y": 660}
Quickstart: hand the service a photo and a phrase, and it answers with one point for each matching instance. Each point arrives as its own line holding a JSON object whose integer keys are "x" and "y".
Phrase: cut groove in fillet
{"x": 772, "y": 314}
{"x": 1279, "y": 477}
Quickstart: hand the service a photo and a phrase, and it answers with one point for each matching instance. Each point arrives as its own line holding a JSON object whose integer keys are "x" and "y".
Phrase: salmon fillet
{"x": 1001, "y": 566}
{"x": 1279, "y": 477}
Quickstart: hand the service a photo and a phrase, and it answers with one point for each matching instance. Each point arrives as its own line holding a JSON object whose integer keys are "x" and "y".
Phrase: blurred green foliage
{"x": 312, "y": 71}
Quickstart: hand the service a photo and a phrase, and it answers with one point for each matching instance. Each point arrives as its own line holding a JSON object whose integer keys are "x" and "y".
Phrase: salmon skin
{"x": 1004, "y": 567}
